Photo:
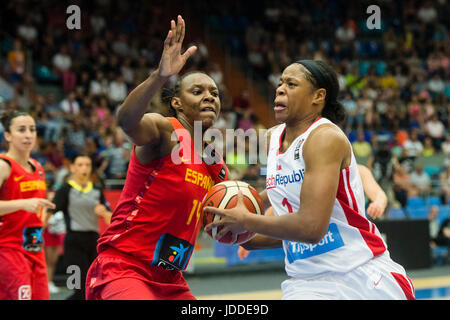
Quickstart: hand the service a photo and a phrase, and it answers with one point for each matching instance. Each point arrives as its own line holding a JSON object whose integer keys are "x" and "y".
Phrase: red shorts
{"x": 117, "y": 276}
{"x": 21, "y": 278}
{"x": 53, "y": 240}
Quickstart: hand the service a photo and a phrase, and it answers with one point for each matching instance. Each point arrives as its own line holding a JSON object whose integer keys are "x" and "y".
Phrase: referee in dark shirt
{"x": 82, "y": 204}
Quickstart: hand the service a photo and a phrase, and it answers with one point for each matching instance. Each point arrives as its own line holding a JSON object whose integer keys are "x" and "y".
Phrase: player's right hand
{"x": 242, "y": 253}
{"x": 35, "y": 204}
{"x": 172, "y": 61}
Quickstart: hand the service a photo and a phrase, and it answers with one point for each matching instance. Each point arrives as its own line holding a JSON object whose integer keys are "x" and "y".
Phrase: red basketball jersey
{"x": 157, "y": 217}
{"x": 22, "y": 230}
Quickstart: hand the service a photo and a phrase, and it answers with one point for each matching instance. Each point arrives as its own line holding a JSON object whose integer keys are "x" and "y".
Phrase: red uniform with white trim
{"x": 351, "y": 240}
{"x": 155, "y": 223}
{"x": 23, "y": 273}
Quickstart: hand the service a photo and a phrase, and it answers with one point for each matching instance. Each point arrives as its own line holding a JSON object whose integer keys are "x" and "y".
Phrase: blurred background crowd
{"x": 395, "y": 81}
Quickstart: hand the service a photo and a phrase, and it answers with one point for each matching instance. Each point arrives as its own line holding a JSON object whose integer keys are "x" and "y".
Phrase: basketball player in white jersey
{"x": 332, "y": 250}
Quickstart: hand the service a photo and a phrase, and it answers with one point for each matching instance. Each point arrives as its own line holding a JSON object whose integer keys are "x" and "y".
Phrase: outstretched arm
{"x": 145, "y": 129}
{"x": 373, "y": 190}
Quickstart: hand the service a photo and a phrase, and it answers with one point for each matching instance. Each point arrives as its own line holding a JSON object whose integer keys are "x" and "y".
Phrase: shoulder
{"x": 159, "y": 120}
{"x": 64, "y": 188}
{"x": 328, "y": 134}
{"x": 326, "y": 140}
{"x": 97, "y": 186}
{"x": 5, "y": 170}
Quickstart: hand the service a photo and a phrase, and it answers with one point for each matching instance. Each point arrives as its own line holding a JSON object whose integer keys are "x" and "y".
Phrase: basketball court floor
{"x": 212, "y": 279}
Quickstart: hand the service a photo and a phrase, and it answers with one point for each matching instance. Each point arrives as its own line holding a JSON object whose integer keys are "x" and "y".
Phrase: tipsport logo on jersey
{"x": 283, "y": 180}
{"x": 298, "y": 250}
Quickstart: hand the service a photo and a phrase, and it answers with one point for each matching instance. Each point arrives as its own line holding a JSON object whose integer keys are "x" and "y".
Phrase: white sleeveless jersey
{"x": 351, "y": 239}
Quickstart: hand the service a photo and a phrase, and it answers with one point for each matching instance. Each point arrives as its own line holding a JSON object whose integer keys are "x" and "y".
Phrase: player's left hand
{"x": 375, "y": 209}
{"x": 172, "y": 60}
{"x": 100, "y": 209}
{"x": 232, "y": 220}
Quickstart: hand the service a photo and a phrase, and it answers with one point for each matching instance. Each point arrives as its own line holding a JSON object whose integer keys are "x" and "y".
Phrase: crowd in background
{"x": 395, "y": 81}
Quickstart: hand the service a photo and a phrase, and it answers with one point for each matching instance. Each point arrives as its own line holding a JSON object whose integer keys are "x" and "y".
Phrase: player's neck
{"x": 20, "y": 157}
{"x": 190, "y": 128}
{"x": 294, "y": 129}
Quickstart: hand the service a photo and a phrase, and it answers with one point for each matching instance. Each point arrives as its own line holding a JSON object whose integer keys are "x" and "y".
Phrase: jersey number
{"x": 196, "y": 206}
{"x": 286, "y": 203}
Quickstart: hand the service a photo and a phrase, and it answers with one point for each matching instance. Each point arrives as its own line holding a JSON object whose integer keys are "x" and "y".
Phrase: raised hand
{"x": 172, "y": 61}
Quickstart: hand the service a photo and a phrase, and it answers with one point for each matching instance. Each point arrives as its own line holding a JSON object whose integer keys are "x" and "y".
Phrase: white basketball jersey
{"x": 351, "y": 239}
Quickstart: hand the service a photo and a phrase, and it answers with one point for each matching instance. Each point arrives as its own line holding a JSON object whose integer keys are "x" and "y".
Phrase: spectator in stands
{"x": 241, "y": 102}
{"x": 444, "y": 182}
{"x": 216, "y": 74}
{"x": 436, "y": 130}
{"x": 75, "y": 137}
{"x": 445, "y": 146}
{"x": 245, "y": 122}
{"x": 117, "y": 90}
{"x": 16, "y": 60}
{"x": 413, "y": 147}
{"x": 439, "y": 233}
{"x": 99, "y": 85}
{"x": 420, "y": 182}
{"x": 428, "y": 148}
{"x": 142, "y": 71}
{"x": 28, "y": 32}
{"x": 346, "y": 33}
{"x": 352, "y": 111}
{"x": 116, "y": 157}
{"x": 62, "y": 62}
{"x": 361, "y": 148}
{"x": 127, "y": 72}
{"x": 380, "y": 161}
{"x": 427, "y": 13}
{"x": 436, "y": 86}
{"x": 401, "y": 187}
{"x": 55, "y": 121}
{"x": 70, "y": 106}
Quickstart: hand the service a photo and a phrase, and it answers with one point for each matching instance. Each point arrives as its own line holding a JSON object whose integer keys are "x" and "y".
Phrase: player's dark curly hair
{"x": 168, "y": 93}
{"x": 322, "y": 75}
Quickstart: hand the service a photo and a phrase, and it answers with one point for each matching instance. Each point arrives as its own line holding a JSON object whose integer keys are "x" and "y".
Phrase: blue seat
{"x": 432, "y": 171}
{"x": 415, "y": 202}
{"x": 440, "y": 255}
{"x": 380, "y": 68}
{"x": 433, "y": 201}
{"x": 418, "y": 212}
{"x": 396, "y": 214}
{"x": 444, "y": 213}
{"x": 364, "y": 68}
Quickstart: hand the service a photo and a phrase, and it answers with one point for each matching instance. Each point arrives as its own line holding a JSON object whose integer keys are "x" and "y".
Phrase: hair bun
{"x": 334, "y": 111}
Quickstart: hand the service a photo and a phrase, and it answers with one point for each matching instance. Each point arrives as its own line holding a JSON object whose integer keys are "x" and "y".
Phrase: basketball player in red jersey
{"x": 23, "y": 274}
{"x": 156, "y": 221}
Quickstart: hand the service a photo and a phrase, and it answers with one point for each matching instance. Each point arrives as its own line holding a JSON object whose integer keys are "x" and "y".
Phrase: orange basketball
{"x": 224, "y": 196}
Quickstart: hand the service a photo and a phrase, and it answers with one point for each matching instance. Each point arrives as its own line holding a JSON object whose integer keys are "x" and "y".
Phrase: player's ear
{"x": 319, "y": 96}
{"x": 176, "y": 104}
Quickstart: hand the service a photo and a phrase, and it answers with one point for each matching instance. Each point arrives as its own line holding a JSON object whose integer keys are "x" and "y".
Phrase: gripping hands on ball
{"x": 232, "y": 220}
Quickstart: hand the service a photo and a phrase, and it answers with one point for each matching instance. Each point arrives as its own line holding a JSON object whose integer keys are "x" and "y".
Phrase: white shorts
{"x": 379, "y": 279}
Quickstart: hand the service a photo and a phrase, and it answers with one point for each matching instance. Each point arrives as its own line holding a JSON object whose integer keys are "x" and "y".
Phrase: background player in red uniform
{"x": 157, "y": 219}
{"x": 23, "y": 274}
